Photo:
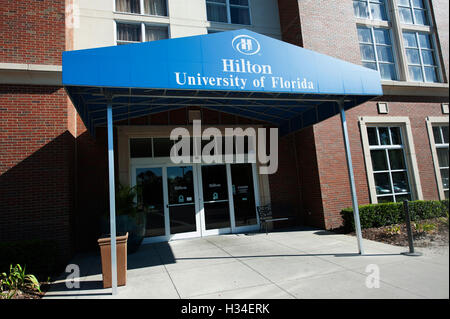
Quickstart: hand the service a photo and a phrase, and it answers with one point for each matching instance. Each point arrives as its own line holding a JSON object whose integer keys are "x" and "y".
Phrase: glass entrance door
{"x": 182, "y": 201}
{"x": 214, "y": 204}
{"x": 196, "y": 200}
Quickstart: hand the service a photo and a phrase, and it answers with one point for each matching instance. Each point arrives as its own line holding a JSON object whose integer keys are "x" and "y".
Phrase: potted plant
{"x": 129, "y": 219}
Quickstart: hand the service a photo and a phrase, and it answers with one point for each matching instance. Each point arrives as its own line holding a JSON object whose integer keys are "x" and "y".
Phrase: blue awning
{"x": 238, "y": 72}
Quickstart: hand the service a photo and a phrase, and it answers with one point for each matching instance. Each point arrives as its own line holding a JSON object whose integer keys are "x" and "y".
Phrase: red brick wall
{"x": 285, "y": 193}
{"x": 331, "y": 161}
{"x": 329, "y": 27}
{"x": 311, "y": 196}
{"x": 32, "y": 31}
{"x": 36, "y": 159}
{"x": 290, "y": 22}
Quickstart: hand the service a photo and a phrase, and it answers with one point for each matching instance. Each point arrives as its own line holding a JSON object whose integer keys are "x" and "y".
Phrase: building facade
{"x": 54, "y": 174}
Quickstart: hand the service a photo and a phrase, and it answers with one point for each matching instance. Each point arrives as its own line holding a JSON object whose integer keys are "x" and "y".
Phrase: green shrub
{"x": 17, "y": 279}
{"x": 40, "y": 257}
{"x": 384, "y": 214}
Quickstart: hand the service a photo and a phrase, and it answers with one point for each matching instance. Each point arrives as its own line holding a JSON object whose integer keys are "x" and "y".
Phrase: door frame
{"x": 164, "y": 163}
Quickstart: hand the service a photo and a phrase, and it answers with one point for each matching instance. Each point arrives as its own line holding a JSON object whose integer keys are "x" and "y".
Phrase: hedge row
{"x": 40, "y": 257}
{"x": 378, "y": 215}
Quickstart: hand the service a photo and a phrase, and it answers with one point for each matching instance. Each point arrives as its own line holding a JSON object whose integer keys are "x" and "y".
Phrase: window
{"x": 128, "y": 33}
{"x": 155, "y": 7}
{"x": 378, "y": 54}
{"x": 370, "y": 9}
{"x": 413, "y": 12}
{"x": 421, "y": 60}
{"x": 389, "y": 164}
{"x": 132, "y": 33}
{"x": 440, "y": 134}
{"x": 128, "y": 6}
{"x": 228, "y": 11}
{"x": 150, "y": 7}
{"x": 153, "y": 33}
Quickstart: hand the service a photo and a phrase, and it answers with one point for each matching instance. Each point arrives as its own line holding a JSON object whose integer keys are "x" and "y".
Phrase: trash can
{"x": 121, "y": 252}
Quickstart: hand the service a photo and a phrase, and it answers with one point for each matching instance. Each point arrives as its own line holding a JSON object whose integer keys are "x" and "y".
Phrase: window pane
{"x": 421, "y": 17}
{"x": 150, "y": 199}
{"x": 239, "y": 2}
{"x": 442, "y": 157}
{"x": 415, "y": 72}
{"x": 364, "y": 35}
{"x": 370, "y": 65}
{"x": 400, "y": 181}
{"x": 379, "y": 161}
{"x": 162, "y": 146}
{"x": 239, "y": 15}
{"x": 401, "y": 198}
{"x": 385, "y": 54}
{"x": 384, "y": 135}
{"x": 382, "y": 183}
{"x": 382, "y": 36}
{"x": 131, "y": 6}
{"x": 405, "y": 15}
{"x": 385, "y": 199}
{"x": 396, "y": 159}
{"x": 378, "y": 11}
{"x": 403, "y": 2}
{"x": 367, "y": 52}
{"x": 413, "y": 56}
{"x": 444, "y": 176}
{"x": 216, "y": 12}
{"x": 425, "y": 41}
{"x": 418, "y": 4}
{"x": 446, "y": 193}
{"x": 387, "y": 72}
{"x": 437, "y": 135}
{"x": 410, "y": 39}
{"x": 372, "y": 134}
{"x": 445, "y": 133}
{"x": 430, "y": 74}
{"x": 428, "y": 57}
{"x": 360, "y": 9}
{"x": 155, "y": 7}
{"x": 155, "y": 33}
{"x": 129, "y": 32}
{"x": 396, "y": 136}
{"x": 140, "y": 147}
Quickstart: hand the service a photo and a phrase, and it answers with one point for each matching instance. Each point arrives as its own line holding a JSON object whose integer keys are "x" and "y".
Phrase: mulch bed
{"x": 437, "y": 237}
{"x": 30, "y": 294}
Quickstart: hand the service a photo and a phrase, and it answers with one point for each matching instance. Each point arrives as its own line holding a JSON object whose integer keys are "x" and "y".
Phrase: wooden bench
{"x": 265, "y": 217}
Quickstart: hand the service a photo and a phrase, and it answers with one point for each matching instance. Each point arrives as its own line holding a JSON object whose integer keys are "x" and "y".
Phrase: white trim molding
{"x": 430, "y": 121}
{"x": 410, "y": 153}
{"x": 38, "y": 74}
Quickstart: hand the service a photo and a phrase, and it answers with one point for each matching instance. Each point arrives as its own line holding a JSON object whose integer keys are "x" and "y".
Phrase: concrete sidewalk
{"x": 288, "y": 264}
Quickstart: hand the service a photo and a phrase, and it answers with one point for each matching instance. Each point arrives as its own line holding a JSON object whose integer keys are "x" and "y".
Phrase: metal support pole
{"x": 409, "y": 230}
{"x": 112, "y": 199}
{"x": 351, "y": 178}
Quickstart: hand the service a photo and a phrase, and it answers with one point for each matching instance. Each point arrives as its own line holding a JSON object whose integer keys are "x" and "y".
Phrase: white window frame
{"x": 374, "y": 45}
{"x": 408, "y": 150}
{"x": 430, "y": 122}
{"x": 426, "y": 9}
{"x": 228, "y": 7}
{"x": 422, "y": 65}
{"x": 141, "y": 9}
{"x": 368, "y": 2}
{"x": 143, "y": 29}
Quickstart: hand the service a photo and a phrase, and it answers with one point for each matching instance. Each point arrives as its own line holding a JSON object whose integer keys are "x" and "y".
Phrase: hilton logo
{"x": 246, "y": 45}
